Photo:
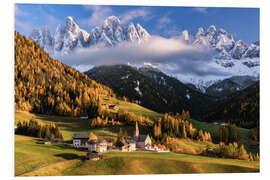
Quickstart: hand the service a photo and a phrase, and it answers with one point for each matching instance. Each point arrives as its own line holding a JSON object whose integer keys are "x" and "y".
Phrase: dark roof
{"x": 124, "y": 142}
{"x": 80, "y": 136}
{"x": 92, "y": 141}
{"x": 109, "y": 140}
{"x": 130, "y": 141}
{"x": 142, "y": 137}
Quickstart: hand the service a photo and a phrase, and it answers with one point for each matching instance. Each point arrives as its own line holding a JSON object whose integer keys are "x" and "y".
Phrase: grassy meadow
{"x": 35, "y": 159}
{"x": 32, "y": 158}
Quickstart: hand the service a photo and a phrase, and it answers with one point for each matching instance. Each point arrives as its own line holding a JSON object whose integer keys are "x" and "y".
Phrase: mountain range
{"x": 69, "y": 37}
{"x": 45, "y": 85}
{"x": 151, "y": 88}
{"x": 233, "y": 57}
{"x": 112, "y": 32}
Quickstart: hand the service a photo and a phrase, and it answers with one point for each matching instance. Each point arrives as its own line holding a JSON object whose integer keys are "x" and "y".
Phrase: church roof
{"x": 80, "y": 136}
{"x": 142, "y": 137}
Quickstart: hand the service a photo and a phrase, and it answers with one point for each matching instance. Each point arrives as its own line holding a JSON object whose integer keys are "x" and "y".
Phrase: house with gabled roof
{"x": 96, "y": 144}
{"x": 127, "y": 145}
{"x": 80, "y": 140}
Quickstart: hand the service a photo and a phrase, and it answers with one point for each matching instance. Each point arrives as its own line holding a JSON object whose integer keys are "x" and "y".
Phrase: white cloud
{"x": 130, "y": 15}
{"x": 172, "y": 55}
{"x": 200, "y": 9}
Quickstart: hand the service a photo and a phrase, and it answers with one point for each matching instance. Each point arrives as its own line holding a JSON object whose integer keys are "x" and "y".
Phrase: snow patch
{"x": 138, "y": 89}
{"x": 125, "y": 77}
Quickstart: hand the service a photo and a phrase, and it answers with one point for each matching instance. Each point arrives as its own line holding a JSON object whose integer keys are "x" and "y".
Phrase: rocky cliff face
{"x": 70, "y": 37}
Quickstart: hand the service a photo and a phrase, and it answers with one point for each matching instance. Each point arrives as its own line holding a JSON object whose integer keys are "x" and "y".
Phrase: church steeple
{"x": 136, "y": 132}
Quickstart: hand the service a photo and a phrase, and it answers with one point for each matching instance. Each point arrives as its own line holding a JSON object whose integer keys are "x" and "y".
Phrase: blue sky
{"x": 243, "y": 23}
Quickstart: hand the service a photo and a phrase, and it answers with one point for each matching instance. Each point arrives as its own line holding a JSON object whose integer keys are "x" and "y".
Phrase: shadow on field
{"x": 69, "y": 156}
{"x": 223, "y": 168}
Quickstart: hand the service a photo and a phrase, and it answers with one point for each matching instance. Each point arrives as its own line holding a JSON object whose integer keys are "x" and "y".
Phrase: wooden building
{"x": 80, "y": 140}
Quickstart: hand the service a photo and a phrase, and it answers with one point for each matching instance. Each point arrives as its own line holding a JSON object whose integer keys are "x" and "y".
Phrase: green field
{"x": 250, "y": 145}
{"x": 134, "y": 108}
{"x": 35, "y": 159}
{"x": 32, "y": 158}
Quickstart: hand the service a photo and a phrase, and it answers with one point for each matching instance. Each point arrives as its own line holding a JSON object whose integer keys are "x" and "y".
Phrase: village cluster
{"x": 96, "y": 145}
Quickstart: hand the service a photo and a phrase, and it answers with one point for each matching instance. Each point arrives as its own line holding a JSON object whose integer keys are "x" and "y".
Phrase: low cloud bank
{"x": 172, "y": 55}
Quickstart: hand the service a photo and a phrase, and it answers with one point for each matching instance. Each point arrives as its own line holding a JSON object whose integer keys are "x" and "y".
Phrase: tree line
{"x": 178, "y": 126}
{"x": 232, "y": 150}
{"x": 35, "y": 129}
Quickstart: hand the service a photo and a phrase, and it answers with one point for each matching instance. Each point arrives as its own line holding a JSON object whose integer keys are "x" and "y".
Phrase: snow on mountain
{"x": 69, "y": 37}
{"x": 233, "y": 58}
{"x": 137, "y": 88}
{"x": 253, "y": 50}
{"x": 239, "y": 68}
{"x": 43, "y": 38}
{"x": 239, "y": 49}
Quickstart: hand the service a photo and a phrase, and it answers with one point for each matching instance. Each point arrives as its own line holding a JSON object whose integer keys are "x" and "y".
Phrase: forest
{"x": 47, "y": 86}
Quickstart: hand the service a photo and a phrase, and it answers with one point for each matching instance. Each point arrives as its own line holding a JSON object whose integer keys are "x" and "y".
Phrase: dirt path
{"x": 46, "y": 165}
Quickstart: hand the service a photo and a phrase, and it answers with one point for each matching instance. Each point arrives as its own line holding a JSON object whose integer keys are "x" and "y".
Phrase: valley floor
{"x": 33, "y": 158}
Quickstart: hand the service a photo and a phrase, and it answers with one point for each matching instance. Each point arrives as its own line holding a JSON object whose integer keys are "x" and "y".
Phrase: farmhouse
{"x": 142, "y": 141}
{"x": 80, "y": 140}
{"x": 109, "y": 142}
{"x": 127, "y": 145}
{"x": 96, "y": 144}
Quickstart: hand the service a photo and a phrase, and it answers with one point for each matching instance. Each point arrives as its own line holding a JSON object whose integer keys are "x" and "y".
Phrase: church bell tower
{"x": 136, "y": 132}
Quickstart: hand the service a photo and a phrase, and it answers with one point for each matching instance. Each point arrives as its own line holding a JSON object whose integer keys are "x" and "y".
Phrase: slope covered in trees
{"x": 151, "y": 88}
{"x": 47, "y": 86}
{"x": 241, "y": 108}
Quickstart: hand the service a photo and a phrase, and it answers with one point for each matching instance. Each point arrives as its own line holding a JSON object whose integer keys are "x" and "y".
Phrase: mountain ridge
{"x": 151, "y": 88}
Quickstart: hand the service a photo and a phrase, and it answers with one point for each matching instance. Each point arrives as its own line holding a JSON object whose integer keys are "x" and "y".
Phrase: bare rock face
{"x": 253, "y": 50}
{"x": 69, "y": 37}
{"x": 239, "y": 49}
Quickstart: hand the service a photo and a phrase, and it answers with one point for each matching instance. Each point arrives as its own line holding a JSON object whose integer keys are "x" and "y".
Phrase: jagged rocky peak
{"x": 132, "y": 34}
{"x": 71, "y": 25}
{"x": 200, "y": 32}
{"x": 111, "y": 21}
{"x": 224, "y": 41}
{"x": 143, "y": 34}
{"x": 253, "y": 50}
{"x": 113, "y": 32}
{"x": 239, "y": 49}
{"x": 185, "y": 35}
{"x": 69, "y": 37}
{"x": 212, "y": 35}
{"x": 42, "y": 37}
{"x": 212, "y": 29}
{"x": 112, "y": 26}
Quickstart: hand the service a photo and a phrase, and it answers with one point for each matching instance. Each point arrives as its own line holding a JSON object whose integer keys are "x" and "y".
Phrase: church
{"x": 142, "y": 141}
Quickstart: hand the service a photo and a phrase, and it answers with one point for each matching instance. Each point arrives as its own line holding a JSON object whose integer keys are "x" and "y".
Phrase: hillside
{"x": 241, "y": 108}
{"x": 223, "y": 88}
{"x": 150, "y": 88}
{"x": 47, "y": 86}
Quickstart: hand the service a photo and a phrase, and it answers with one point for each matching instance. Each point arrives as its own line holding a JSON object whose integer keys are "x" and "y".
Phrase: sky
{"x": 242, "y": 23}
